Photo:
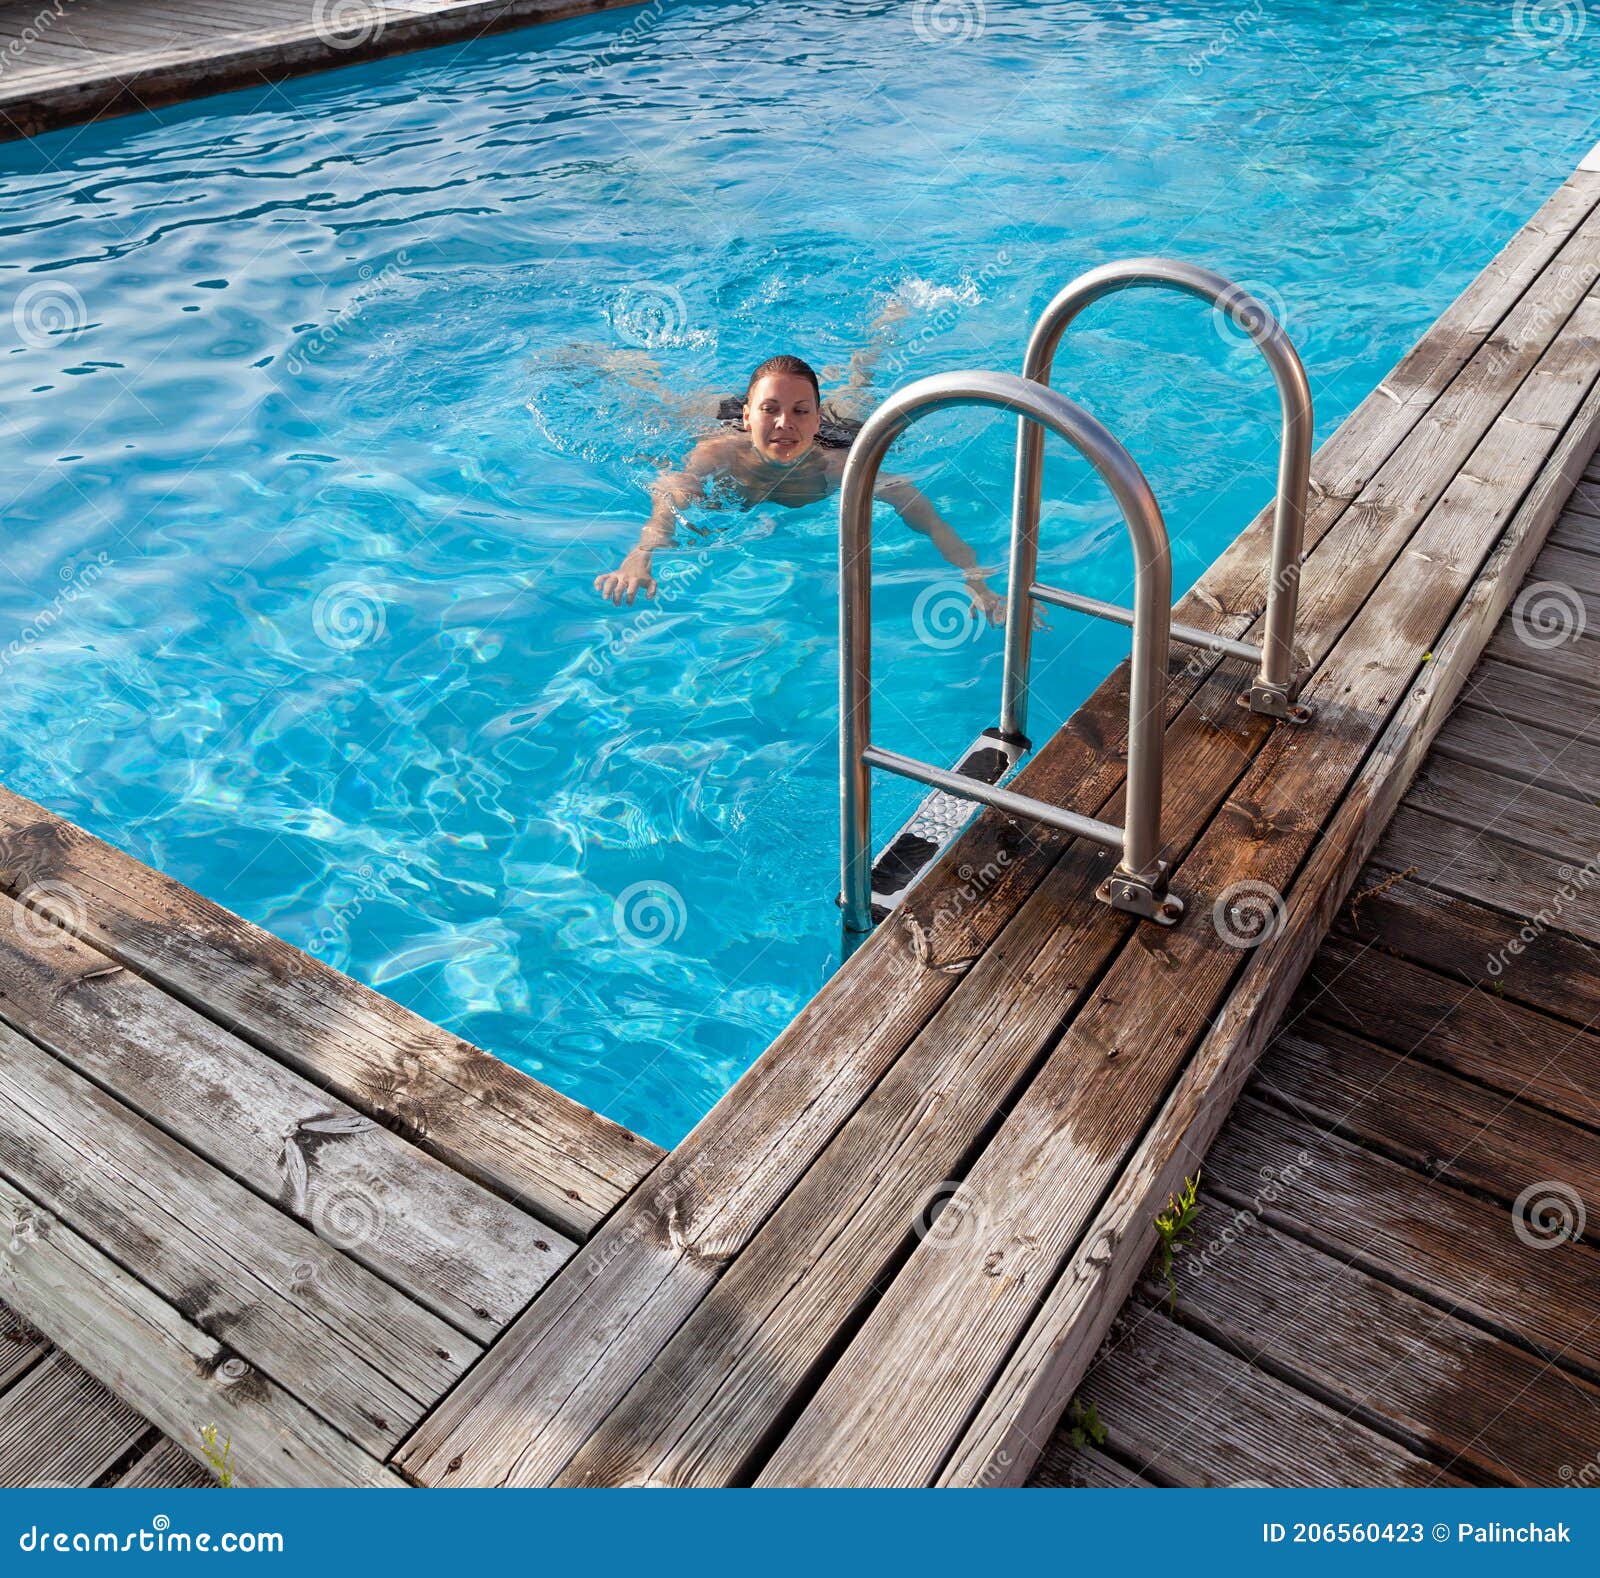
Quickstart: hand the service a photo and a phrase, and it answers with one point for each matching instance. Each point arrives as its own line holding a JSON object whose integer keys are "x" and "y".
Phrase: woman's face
{"x": 781, "y": 413}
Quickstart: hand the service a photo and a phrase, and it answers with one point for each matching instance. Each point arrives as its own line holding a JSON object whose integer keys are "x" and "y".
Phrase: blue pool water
{"x": 323, "y": 409}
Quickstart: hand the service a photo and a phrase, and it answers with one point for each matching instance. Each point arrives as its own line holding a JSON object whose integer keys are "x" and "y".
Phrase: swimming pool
{"x": 327, "y": 403}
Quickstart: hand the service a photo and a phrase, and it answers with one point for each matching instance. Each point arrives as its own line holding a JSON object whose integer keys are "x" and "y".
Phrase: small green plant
{"x": 1083, "y": 1425}
{"x": 221, "y": 1460}
{"x": 1498, "y": 988}
{"x": 1174, "y": 1226}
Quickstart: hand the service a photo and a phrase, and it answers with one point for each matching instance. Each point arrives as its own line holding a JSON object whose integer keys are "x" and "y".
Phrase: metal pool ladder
{"x": 1139, "y": 882}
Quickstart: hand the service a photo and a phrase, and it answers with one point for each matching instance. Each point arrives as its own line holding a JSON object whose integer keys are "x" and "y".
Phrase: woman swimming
{"x": 782, "y": 455}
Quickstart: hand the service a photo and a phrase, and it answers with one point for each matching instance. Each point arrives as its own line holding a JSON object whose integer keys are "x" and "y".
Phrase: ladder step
{"x": 901, "y": 863}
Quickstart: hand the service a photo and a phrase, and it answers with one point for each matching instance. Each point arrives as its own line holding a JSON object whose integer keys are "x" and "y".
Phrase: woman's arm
{"x": 913, "y": 508}
{"x": 671, "y": 493}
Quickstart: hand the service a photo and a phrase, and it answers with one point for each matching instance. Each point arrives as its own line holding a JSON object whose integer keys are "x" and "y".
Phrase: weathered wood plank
{"x": 689, "y": 1204}
{"x": 1548, "y": 892}
{"x": 446, "y": 1241}
{"x": 1483, "y": 1408}
{"x": 1063, "y": 1466}
{"x": 1572, "y": 663}
{"x": 1585, "y": 499}
{"x": 1521, "y": 813}
{"x": 896, "y": 1403}
{"x": 167, "y": 1467}
{"x": 478, "y": 1114}
{"x": 1441, "y": 1125}
{"x": 1049, "y": 1361}
{"x": 1462, "y": 1254}
{"x": 355, "y": 1349}
{"x": 1580, "y": 533}
{"x": 58, "y": 1426}
{"x": 1570, "y": 569}
{"x": 172, "y": 1372}
{"x": 21, "y": 1347}
{"x": 1518, "y": 748}
{"x": 1515, "y": 698}
{"x": 1468, "y": 1030}
{"x": 1201, "y": 1416}
{"x": 1550, "y": 971}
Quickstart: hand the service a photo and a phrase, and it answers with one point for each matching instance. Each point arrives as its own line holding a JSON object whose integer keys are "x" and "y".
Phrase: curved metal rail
{"x": 1139, "y": 882}
{"x": 1277, "y": 683}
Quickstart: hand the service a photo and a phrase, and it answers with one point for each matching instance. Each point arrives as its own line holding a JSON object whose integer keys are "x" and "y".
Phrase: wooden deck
{"x": 108, "y": 57}
{"x": 60, "y": 1427}
{"x": 1393, "y": 1279}
{"x": 889, "y": 1255}
{"x": 239, "y": 1188}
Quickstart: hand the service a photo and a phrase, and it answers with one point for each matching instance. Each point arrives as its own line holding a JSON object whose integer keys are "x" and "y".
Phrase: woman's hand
{"x": 623, "y": 584}
{"x": 986, "y": 602}
{"x": 990, "y": 605}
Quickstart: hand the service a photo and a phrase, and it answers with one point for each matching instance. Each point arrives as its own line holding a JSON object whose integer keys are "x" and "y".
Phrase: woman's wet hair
{"x": 790, "y": 365}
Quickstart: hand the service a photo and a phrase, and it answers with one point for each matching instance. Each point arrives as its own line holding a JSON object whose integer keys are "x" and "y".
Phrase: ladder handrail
{"x": 1141, "y": 874}
{"x": 1276, "y": 684}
